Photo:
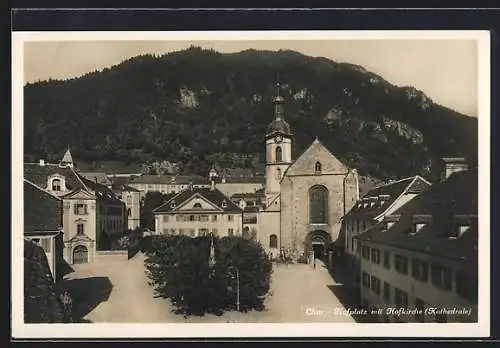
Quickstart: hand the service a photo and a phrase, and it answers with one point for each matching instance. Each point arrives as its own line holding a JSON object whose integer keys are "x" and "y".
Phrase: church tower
{"x": 278, "y": 147}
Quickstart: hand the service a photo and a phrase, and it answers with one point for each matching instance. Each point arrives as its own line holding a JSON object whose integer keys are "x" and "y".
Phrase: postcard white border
{"x": 166, "y": 331}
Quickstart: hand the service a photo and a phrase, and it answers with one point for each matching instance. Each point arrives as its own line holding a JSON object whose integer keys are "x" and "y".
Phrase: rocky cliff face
{"x": 198, "y": 108}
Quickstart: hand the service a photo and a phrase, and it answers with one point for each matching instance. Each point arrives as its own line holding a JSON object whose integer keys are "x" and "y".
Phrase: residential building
{"x": 166, "y": 183}
{"x": 375, "y": 205}
{"x": 231, "y": 185}
{"x": 43, "y": 220}
{"x": 424, "y": 255}
{"x": 92, "y": 214}
{"x": 132, "y": 199}
{"x": 197, "y": 212}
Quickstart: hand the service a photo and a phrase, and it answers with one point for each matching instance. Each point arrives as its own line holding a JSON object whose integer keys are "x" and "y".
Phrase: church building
{"x": 306, "y": 197}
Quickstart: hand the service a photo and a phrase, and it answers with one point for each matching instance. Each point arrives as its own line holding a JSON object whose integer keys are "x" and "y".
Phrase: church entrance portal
{"x": 318, "y": 241}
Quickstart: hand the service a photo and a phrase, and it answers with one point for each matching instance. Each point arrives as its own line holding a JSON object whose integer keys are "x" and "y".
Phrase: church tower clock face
{"x": 278, "y": 139}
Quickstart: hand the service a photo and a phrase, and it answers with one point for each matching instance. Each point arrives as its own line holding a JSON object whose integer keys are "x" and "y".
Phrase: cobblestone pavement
{"x": 299, "y": 293}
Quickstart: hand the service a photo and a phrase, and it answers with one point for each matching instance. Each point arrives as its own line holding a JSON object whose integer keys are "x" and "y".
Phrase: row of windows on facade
{"x": 110, "y": 224}
{"x": 192, "y": 232}
{"x": 167, "y": 188}
{"x": 357, "y": 225}
{"x": 82, "y": 209}
{"x": 440, "y": 276}
{"x": 196, "y": 217}
{"x": 400, "y": 297}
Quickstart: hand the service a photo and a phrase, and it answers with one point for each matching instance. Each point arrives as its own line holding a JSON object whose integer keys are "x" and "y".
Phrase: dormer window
{"x": 224, "y": 204}
{"x": 390, "y": 221}
{"x": 56, "y": 184}
{"x": 417, "y": 227}
{"x": 419, "y": 222}
{"x": 463, "y": 224}
{"x": 172, "y": 204}
{"x": 317, "y": 168}
{"x": 461, "y": 229}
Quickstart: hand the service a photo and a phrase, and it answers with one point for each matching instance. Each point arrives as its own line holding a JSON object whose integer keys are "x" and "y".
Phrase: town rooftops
{"x": 249, "y": 195}
{"x": 38, "y": 174}
{"x": 439, "y": 212}
{"x": 120, "y": 187}
{"x": 170, "y": 179}
{"x": 99, "y": 177}
{"x": 42, "y": 211}
{"x": 213, "y": 196}
{"x": 241, "y": 180}
{"x": 379, "y": 199}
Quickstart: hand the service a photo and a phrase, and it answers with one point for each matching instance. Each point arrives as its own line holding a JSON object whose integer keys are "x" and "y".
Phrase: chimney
{"x": 95, "y": 179}
{"x": 212, "y": 185}
{"x": 191, "y": 185}
{"x": 453, "y": 165}
{"x": 42, "y": 162}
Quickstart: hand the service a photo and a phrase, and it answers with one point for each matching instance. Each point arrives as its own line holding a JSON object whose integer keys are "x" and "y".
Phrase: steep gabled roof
{"x": 101, "y": 191}
{"x": 308, "y": 158}
{"x": 381, "y": 198}
{"x": 120, "y": 187}
{"x": 439, "y": 205}
{"x": 100, "y": 177}
{"x": 43, "y": 212}
{"x": 215, "y": 197}
{"x": 38, "y": 174}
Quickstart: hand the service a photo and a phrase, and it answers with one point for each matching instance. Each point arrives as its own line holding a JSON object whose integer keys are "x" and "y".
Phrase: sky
{"x": 445, "y": 70}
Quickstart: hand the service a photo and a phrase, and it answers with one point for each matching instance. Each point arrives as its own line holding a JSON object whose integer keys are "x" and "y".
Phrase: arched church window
{"x": 56, "y": 184}
{"x": 197, "y": 205}
{"x": 317, "y": 167}
{"x": 279, "y": 155}
{"x": 278, "y": 174}
{"x": 273, "y": 241}
{"x": 318, "y": 205}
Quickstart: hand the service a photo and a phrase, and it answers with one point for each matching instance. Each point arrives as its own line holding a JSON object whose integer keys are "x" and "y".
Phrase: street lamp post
{"x": 232, "y": 269}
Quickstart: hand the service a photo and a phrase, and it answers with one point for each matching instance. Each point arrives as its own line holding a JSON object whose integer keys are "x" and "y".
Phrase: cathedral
{"x": 306, "y": 198}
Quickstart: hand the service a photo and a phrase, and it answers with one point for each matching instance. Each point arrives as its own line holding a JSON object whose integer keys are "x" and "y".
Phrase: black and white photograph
{"x": 248, "y": 183}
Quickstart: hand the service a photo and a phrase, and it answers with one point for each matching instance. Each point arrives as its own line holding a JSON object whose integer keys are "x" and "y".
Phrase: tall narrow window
{"x": 317, "y": 167}
{"x": 273, "y": 241}
{"x": 279, "y": 155}
{"x": 79, "y": 229}
{"x": 318, "y": 205}
{"x": 129, "y": 212}
{"x": 56, "y": 184}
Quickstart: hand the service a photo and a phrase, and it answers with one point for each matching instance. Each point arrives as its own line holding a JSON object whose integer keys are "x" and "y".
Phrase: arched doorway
{"x": 80, "y": 254}
{"x": 318, "y": 241}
